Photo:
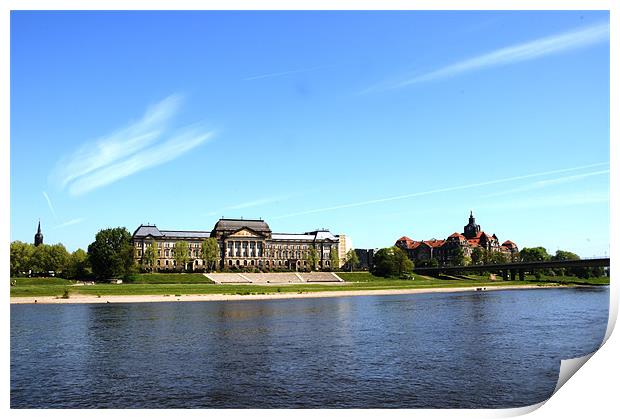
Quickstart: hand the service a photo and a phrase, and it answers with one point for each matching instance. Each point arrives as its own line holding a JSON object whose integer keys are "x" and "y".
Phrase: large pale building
{"x": 243, "y": 244}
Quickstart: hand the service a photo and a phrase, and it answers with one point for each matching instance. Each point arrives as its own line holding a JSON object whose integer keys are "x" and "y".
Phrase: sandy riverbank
{"x": 87, "y": 299}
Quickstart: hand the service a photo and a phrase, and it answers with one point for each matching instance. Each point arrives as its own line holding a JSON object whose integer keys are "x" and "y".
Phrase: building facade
{"x": 243, "y": 244}
{"x": 446, "y": 251}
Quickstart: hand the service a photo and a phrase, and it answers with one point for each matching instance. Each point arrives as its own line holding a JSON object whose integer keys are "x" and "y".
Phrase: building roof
{"x": 309, "y": 236}
{"x": 186, "y": 234}
{"x": 293, "y": 236}
{"x": 323, "y": 235}
{"x": 147, "y": 230}
{"x": 435, "y": 243}
{"x": 153, "y": 231}
{"x": 234, "y": 224}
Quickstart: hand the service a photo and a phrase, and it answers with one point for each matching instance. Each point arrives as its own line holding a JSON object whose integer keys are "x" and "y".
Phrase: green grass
{"x": 171, "y": 278}
{"x": 41, "y": 281}
{"x": 188, "y": 284}
{"x": 564, "y": 280}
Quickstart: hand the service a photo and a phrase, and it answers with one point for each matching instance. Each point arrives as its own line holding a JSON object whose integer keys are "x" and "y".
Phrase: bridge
{"x": 513, "y": 270}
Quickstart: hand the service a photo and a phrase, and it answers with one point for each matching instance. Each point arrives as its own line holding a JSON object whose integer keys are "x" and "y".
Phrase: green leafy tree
{"x": 111, "y": 254}
{"x": 210, "y": 253}
{"x": 498, "y": 258}
{"x": 477, "y": 256}
{"x": 458, "y": 257}
{"x": 352, "y": 259}
{"x": 392, "y": 261}
{"x": 312, "y": 258}
{"x": 334, "y": 260}
{"x": 181, "y": 254}
{"x": 49, "y": 258}
{"x": 534, "y": 254}
{"x": 565, "y": 255}
{"x": 403, "y": 264}
{"x": 59, "y": 257}
{"x": 21, "y": 254}
{"x": 78, "y": 265}
{"x": 150, "y": 256}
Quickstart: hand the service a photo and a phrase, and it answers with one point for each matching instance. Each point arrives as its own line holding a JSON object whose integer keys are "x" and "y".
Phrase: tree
{"x": 111, "y": 254}
{"x": 181, "y": 253}
{"x": 458, "y": 257}
{"x": 49, "y": 258}
{"x": 21, "y": 253}
{"x": 312, "y": 258}
{"x": 150, "y": 256}
{"x": 352, "y": 259}
{"x": 78, "y": 264}
{"x": 565, "y": 255}
{"x": 534, "y": 254}
{"x": 392, "y": 261}
{"x": 477, "y": 256}
{"x": 402, "y": 263}
{"x": 210, "y": 253}
{"x": 334, "y": 260}
{"x": 498, "y": 258}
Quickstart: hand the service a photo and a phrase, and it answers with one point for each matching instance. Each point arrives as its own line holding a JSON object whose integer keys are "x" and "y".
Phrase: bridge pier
{"x": 521, "y": 275}
{"x": 505, "y": 275}
{"x": 513, "y": 274}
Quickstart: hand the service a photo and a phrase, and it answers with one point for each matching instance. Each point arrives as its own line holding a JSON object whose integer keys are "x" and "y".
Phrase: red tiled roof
{"x": 509, "y": 243}
{"x": 459, "y": 235}
{"x": 434, "y": 243}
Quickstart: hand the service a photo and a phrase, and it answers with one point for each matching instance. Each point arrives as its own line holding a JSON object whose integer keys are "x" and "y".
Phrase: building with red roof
{"x": 445, "y": 251}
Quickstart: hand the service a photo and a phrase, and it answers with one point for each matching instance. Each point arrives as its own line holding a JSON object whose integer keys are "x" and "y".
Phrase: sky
{"x": 372, "y": 124}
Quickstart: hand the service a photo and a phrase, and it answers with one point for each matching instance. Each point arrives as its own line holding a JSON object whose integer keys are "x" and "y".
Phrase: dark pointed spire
{"x": 38, "y": 238}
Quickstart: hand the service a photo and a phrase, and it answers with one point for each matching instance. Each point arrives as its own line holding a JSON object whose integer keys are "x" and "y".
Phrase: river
{"x": 449, "y": 350}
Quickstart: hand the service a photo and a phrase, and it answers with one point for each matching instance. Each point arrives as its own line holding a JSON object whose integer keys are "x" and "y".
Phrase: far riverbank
{"x": 110, "y": 299}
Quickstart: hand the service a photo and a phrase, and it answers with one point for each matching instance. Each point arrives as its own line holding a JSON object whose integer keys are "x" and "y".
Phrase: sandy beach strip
{"x": 105, "y": 299}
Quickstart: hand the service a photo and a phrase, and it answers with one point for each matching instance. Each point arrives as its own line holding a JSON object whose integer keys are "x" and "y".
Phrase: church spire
{"x": 38, "y": 238}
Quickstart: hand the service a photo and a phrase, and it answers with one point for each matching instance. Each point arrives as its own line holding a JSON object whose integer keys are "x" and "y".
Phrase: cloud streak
{"x": 129, "y": 150}
{"x": 548, "y": 182}
{"x": 513, "y": 54}
{"x": 440, "y": 190}
{"x": 284, "y": 73}
{"x": 249, "y": 204}
{"x": 69, "y": 223}
{"x": 49, "y": 204}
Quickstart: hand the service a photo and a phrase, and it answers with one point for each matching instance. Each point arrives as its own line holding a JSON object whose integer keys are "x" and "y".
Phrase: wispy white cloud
{"x": 69, "y": 223}
{"x": 551, "y": 201}
{"x": 49, "y": 204}
{"x": 285, "y": 73}
{"x": 129, "y": 150}
{"x": 248, "y": 204}
{"x": 548, "y": 182}
{"x": 255, "y": 203}
{"x": 440, "y": 190}
{"x": 516, "y": 53}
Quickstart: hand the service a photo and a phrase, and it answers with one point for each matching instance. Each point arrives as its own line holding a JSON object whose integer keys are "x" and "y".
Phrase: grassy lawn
{"x": 565, "y": 280}
{"x": 167, "y": 278}
{"x": 183, "y": 284}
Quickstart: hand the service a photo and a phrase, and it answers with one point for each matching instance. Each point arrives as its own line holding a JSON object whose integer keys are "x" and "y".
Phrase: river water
{"x": 471, "y": 349}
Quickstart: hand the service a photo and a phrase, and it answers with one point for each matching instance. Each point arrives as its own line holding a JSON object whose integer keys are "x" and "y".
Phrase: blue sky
{"x": 371, "y": 124}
